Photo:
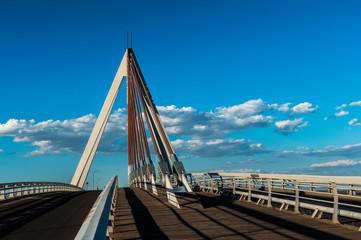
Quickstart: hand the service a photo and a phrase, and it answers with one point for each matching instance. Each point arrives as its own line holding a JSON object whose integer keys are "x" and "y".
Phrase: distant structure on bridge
{"x": 140, "y": 107}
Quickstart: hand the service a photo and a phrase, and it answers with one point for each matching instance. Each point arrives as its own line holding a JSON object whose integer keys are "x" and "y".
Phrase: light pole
{"x": 93, "y": 176}
{"x": 98, "y": 182}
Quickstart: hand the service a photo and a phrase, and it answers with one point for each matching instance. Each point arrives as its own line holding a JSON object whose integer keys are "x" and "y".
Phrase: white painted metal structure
{"x": 96, "y": 226}
{"x": 334, "y": 195}
{"x": 140, "y": 104}
{"x": 18, "y": 189}
{"x": 86, "y": 160}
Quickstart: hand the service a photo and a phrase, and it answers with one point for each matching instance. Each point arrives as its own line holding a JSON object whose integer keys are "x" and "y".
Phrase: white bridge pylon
{"x": 140, "y": 107}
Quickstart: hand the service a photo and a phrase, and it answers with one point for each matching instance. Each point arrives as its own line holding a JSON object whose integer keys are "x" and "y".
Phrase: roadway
{"x": 56, "y": 215}
{"x": 141, "y": 215}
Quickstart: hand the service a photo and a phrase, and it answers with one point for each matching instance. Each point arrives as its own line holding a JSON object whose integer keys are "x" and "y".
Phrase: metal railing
{"x": 97, "y": 223}
{"x": 18, "y": 189}
{"x": 337, "y": 196}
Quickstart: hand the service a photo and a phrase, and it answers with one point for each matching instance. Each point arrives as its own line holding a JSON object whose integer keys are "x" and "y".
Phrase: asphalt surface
{"x": 53, "y": 216}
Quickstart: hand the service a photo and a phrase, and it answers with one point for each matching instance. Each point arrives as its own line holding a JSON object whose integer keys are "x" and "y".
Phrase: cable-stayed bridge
{"x": 163, "y": 201}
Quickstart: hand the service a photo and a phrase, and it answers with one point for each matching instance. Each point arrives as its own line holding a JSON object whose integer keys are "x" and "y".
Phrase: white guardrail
{"x": 96, "y": 225}
{"x": 18, "y": 189}
{"x": 338, "y": 196}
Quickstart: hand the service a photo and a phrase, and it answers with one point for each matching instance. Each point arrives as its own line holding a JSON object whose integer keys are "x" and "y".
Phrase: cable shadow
{"x": 180, "y": 218}
{"x": 146, "y": 226}
{"x": 282, "y": 223}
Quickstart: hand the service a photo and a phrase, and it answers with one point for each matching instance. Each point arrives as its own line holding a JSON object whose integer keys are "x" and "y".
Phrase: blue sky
{"x": 222, "y": 74}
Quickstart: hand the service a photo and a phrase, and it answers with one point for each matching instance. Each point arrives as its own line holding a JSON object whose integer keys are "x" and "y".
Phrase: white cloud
{"x": 68, "y": 136}
{"x": 336, "y": 163}
{"x": 303, "y": 108}
{"x": 349, "y": 151}
{"x": 290, "y": 126}
{"x": 342, "y": 106}
{"x": 358, "y": 103}
{"x": 217, "y": 147}
{"x": 242, "y": 170}
{"x": 1, "y": 150}
{"x": 244, "y": 110}
{"x": 341, "y": 113}
{"x": 284, "y": 107}
{"x": 354, "y": 122}
{"x": 210, "y": 129}
{"x": 182, "y": 122}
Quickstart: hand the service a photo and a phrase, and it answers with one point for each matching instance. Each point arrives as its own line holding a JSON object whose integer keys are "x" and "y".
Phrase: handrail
{"x": 306, "y": 178}
{"x": 324, "y": 192}
{"x": 18, "y": 189}
{"x": 95, "y": 226}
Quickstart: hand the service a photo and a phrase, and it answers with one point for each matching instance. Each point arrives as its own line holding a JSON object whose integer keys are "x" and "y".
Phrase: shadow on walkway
{"x": 146, "y": 226}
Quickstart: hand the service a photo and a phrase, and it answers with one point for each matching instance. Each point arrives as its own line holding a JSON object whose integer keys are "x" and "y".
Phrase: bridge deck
{"x": 57, "y": 215}
{"x": 141, "y": 215}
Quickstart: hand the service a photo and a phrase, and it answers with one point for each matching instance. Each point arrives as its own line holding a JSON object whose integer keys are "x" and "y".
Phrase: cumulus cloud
{"x": 290, "y": 126}
{"x": 346, "y": 162}
{"x": 284, "y": 107}
{"x": 354, "y": 122}
{"x": 358, "y": 103}
{"x": 302, "y": 108}
{"x": 68, "y": 136}
{"x": 207, "y": 129}
{"x": 217, "y": 147}
{"x": 244, "y": 110}
{"x": 341, "y": 113}
{"x": 187, "y": 121}
{"x": 349, "y": 151}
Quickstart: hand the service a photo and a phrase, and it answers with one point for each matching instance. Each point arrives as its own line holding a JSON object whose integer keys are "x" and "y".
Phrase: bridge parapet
{"x": 18, "y": 189}
{"x": 96, "y": 225}
{"x": 332, "y": 195}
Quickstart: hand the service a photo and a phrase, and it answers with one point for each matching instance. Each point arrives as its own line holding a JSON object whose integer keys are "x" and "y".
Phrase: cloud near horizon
{"x": 354, "y": 122}
{"x": 358, "y": 103}
{"x": 346, "y": 162}
{"x": 350, "y": 151}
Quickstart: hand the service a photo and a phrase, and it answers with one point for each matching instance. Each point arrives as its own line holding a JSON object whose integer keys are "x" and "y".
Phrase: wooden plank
{"x": 141, "y": 215}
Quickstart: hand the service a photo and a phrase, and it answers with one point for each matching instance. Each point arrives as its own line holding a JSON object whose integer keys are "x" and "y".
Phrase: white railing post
{"x": 11, "y": 193}
{"x": 312, "y": 187}
{"x": 297, "y": 196}
{"x": 352, "y": 190}
{"x": 249, "y": 189}
{"x": 335, "y": 204}
{"x": 204, "y": 184}
{"x": 2, "y": 192}
{"x": 20, "y": 191}
{"x": 269, "y": 200}
{"x": 212, "y": 185}
{"x": 234, "y": 185}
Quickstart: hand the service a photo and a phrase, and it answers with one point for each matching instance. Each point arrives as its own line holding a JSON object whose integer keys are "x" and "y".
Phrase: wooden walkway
{"x": 141, "y": 215}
